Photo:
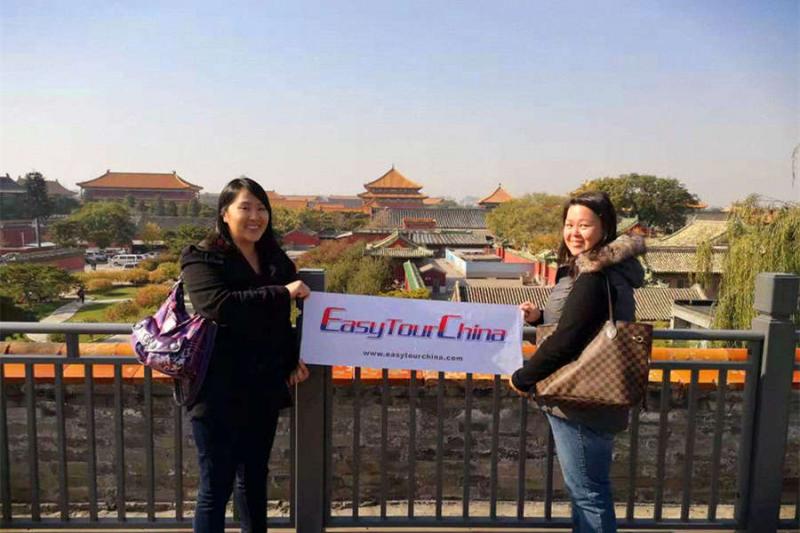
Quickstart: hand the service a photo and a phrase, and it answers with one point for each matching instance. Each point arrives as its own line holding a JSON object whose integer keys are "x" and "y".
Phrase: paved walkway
{"x": 65, "y": 312}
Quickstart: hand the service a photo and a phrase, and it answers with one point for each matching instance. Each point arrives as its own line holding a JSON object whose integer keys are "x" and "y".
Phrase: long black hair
{"x": 601, "y": 205}
{"x": 267, "y": 246}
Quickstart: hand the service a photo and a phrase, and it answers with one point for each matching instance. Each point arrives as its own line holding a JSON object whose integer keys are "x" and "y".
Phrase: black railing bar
{"x": 33, "y": 448}
{"x": 292, "y": 459}
{"x": 529, "y": 334}
{"x": 52, "y": 359}
{"x": 119, "y": 456}
{"x": 688, "y": 459}
{"x": 439, "y": 443}
{"x": 756, "y": 350}
{"x": 412, "y": 442}
{"x": 64, "y": 327}
{"x": 666, "y": 394}
{"x": 633, "y": 460}
{"x": 178, "y": 446}
{"x": 548, "y": 475}
{"x": 467, "y": 444}
{"x": 449, "y": 522}
{"x": 109, "y": 524}
{"x": 716, "y": 454}
{"x": 328, "y": 428}
{"x": 150, "y": 476}
{"x": 523, "y": 454}
{"x": 384, "y": 438}
{"x": 5, "y": 472}
{"x": 91, "y": 444}
{"x": 495, "y": 445}
{"x": 61, "y": 436}
{"x": 356, "y": 439}
{"x": 701, "y": 365}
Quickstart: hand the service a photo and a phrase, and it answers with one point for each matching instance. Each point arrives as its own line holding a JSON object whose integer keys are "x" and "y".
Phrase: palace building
{"x": 393, "y": 190}
{"x": 140, "y": 185}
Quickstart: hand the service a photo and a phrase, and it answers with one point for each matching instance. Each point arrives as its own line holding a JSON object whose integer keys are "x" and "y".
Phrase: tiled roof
{"x": 139, "y": 180}
{"x": 391, "y": 240}
{"x": 624, "y": 224}
{"x": 54, "y": 188}
{"x": 680, "y": 260}
{"x": 9, "y": 186}
{"x": 399, "y": 253}
{"x": 393, "y": 179}
{"x": 432, "y": 201}
{"x": 652, "y": 303}
{"x": 450, "y": 238}
{"x": 460, "y": 218}
{"x": 696, "y": 232}
{"x": 390, "y": 195}
{"x": 499, "y": 196}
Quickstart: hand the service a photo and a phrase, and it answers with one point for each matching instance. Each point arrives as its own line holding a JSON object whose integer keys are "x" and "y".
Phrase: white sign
{"x": 377, "y": 332}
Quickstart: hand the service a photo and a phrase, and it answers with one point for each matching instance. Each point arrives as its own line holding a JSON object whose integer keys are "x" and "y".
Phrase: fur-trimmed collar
{"x": 615, "y": 252}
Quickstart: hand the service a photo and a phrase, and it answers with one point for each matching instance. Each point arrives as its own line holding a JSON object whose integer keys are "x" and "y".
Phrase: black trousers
{"x": 228, "y": 453}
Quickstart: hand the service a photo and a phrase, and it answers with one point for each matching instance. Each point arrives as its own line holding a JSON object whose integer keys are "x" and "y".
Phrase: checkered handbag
{"x": 612, "y": 371}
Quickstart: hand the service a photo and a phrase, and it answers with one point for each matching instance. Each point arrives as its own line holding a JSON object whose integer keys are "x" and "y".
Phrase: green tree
{"x": 29, "y": 283}
{"x": 194, "y": 207}
{"x": 159, "y": 210}
{"x": 150, "y": 233}
{"x": 142, "y": 206}
{"x": 64, "y": 205}
{"x": 183, "y": 210}
{"x": 130, "y": 201}
{"x": 661, "y": 203}
{"x": 172, "y": 209}
{"x": 284, "y": 220}
{"x": 37, "y": 202}
{"x": 372, "y": 276}
{"x": 105, "y": 223}
{"x": 11, "y": 312}
{"x": 532, "y": 222}
{"x": 185, "y": 235}
{"x": 66, "y": 232}
{"x": 761, "y": 238}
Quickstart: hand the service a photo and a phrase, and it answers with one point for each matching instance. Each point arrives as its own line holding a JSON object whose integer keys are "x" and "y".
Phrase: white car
{"x": 123, "y": 260}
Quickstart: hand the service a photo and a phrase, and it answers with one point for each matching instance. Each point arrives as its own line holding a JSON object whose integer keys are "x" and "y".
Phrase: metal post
{"x": 310, "y": 457}
{"x": 775, "y": 300}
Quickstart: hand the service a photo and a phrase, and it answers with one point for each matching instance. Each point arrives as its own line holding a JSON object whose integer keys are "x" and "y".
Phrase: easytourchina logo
{"x": 450, "y": 327}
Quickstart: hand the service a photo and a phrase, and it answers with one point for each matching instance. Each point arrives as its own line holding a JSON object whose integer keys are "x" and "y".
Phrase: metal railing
{"x": 322, "y": 497}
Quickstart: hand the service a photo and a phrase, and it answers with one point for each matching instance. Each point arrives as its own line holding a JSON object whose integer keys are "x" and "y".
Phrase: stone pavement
{"x": 65, "y": 312}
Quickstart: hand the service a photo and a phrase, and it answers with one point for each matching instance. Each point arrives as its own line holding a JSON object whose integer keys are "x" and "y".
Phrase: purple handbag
{"x": 176, "y": 344}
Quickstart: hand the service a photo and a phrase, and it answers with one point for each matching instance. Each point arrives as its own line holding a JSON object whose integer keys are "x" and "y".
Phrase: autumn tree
{"x": 532, "y": 222}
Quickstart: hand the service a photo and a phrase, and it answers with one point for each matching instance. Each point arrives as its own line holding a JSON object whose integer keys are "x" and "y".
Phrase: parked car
{"x": 122, "y": 260}
{"x": 97, "y": 257}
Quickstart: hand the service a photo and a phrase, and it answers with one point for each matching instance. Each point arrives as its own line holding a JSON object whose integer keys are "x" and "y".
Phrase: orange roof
{"x": 433, "y": 201}
{"x": 139, "y": 180}
{"x": 403, "y": 195}
{"x": 497, "y": 197}
{"x": 392, "y": 180}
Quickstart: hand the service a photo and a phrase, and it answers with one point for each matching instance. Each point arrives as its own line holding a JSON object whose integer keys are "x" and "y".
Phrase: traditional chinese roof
{"x": 459, "y": 218}
{"x": 499, "y": 196}
{"x": 139, "y": 180}
{"x": 450, "y": 238}
{"x": 652, "y": 303}
{"x": 54, "y": 188}
{"x": 680, "y": 260}
{"x": 625, "y": 224}
{"x": 9, "y": 186}
{"x": 432, "y": 201}
{"x": 696, "y": 232}
{"x": 398, "y": 246}
{"x": 393, "y": 179}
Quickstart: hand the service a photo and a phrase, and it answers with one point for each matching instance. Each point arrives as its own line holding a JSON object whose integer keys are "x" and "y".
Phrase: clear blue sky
{"x": 321, "y": 97}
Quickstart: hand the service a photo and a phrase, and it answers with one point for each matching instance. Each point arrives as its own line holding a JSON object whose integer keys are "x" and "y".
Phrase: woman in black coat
{"x": 242, "y": 280}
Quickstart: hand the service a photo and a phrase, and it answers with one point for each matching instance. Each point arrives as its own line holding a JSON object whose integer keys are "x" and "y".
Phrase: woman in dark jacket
{"x": 242, "y": 280}
{"x": 590, "y": 254}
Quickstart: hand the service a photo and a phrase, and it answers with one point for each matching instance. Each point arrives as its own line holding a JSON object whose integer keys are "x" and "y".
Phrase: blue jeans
{"x": 585, "y": 459}
{"x": 226, "y": 453}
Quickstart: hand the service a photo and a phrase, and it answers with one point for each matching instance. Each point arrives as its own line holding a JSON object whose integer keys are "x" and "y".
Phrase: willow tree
{"x": 761, "y": 239}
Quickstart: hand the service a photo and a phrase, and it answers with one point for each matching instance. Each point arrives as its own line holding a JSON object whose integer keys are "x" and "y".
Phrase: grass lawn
{"x": 43, "y": 309}
{"x": 118, "y": 291}
{"x": 91, "y": 313}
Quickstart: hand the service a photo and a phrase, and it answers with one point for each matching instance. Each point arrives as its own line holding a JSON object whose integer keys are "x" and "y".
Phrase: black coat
{"x": 255, "y": 349}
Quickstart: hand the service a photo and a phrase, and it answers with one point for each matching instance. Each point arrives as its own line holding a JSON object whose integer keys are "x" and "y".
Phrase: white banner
{"x": 377, "y": 332}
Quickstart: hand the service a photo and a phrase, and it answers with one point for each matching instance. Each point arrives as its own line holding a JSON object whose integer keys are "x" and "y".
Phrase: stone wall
{"x": 396, "y": 468}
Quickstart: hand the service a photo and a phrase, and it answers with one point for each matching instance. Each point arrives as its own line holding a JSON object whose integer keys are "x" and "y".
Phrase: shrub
{"x": 57, "y": 337}
{"x": 126, "y": 311}
{"x": 98, "y": 285}
{"x": 165, "y": 272}
{"x": 136, "y": 276}
{"x": 151, "y": 295}
{"x": 149, "y": 264}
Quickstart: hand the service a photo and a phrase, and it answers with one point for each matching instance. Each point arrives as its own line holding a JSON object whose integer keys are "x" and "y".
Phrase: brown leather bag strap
{"x": 610, "y": 305}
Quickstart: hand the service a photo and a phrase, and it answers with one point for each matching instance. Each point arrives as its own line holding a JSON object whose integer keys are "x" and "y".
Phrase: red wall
{"x": 17, "y": 236}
